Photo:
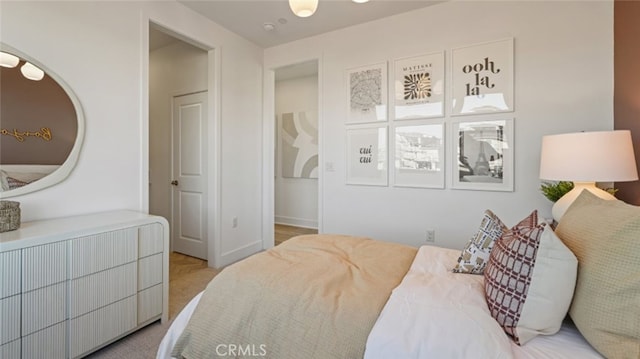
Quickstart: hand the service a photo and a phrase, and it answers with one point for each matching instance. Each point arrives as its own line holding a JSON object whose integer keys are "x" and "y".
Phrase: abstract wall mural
{"x": 299, "y": 144}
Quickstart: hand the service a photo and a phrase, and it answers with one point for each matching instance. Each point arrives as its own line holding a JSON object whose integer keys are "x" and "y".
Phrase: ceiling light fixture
{"x": 8, "y": 60}
{"x": 32, "y": 72}
{"x": 268, "y": 26}
{"x": 360, "y": 1}
{"x": 303, "y": 8}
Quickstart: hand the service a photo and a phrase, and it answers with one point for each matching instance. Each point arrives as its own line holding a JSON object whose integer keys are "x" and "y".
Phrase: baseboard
{"x": 240, "y": 253}
{"x": 297, "y": 222}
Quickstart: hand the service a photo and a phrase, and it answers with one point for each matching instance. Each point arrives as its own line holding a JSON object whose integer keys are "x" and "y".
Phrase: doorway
{"x": 176, "y": 68}
{"x": 296, "y": 139}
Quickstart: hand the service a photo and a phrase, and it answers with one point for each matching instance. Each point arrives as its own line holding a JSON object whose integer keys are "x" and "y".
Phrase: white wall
{"x": 174, "y": 70}
{"x": 563, "y": 83}
{"x": 101, "y": 50}
{"x": 296, "y": 199}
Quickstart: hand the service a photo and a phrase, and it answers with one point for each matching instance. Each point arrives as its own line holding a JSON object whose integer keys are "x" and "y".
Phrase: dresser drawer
{"x": 10, "y": 323}
{"x": 101, "y": 326}
{"x": 99, "y": 289}
{"x": 49, "y": 343}
{"x": 151, "y": 239}
{"x": 10, "y": 273}
{"x": 149, "y": 303}
{"x": 44, "y": 265}
{"x": 43, "y": 307}
{"x": 149, "y": 271}
{"x": 103, "y": 251}
{"x": 11, "y": 349}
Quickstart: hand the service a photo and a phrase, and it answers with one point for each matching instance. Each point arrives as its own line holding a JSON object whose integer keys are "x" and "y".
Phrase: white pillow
{"x": 3, "y": 180}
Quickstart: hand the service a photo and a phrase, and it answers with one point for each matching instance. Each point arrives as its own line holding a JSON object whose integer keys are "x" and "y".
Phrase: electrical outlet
{"x": 431, "y": 236}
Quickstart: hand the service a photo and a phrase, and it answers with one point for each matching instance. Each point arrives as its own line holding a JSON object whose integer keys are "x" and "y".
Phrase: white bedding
{"x": 435, "y": 313}
{"x": 439, "y": 314}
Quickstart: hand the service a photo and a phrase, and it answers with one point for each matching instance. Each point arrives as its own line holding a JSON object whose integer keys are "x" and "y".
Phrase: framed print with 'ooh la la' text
{"x": 482, "y": 78}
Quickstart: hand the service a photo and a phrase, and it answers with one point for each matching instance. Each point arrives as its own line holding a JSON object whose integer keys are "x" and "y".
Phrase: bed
{"x": 19, "y": 175}
{"x": 331, "y": 296}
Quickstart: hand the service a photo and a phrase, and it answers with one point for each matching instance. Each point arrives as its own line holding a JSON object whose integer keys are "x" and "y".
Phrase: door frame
{"x": 202, "y": 40}
{"x": 268, "y": 140}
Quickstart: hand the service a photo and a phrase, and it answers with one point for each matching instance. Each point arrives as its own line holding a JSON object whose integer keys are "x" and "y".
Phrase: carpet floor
{"x": 142, "y": 344}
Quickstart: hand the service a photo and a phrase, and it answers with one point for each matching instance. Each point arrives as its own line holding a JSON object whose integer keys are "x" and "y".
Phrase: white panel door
{"x": 189, "y": 175}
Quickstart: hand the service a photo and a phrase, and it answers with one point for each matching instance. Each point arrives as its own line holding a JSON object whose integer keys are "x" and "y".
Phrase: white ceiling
{"x": 247, "y": 17}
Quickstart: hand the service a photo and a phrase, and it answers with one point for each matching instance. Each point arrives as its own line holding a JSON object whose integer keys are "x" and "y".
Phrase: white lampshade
{"x": 303, "y": 8}
{"x": 32, "y": 72}
{"x": 586, "y": 158}
{"x": 8, "y": 60}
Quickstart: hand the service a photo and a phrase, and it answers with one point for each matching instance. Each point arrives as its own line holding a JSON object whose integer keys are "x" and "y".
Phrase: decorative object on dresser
{"x": 70, "y": 286}
{"x": 9, "y": 216}
{"x": 586, "y": 158}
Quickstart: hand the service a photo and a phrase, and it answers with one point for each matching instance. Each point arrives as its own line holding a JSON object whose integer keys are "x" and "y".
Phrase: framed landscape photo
{"x": 367, "y": 94}
{"x": 367, "y": 156}
{"x": 419, "y": 155}
{"x": 482, "y": 78}
{"x": 419, "y": 87}
{"x": 483, "y": 151}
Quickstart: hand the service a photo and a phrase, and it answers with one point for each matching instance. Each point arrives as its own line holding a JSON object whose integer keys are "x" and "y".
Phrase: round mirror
{"x": 41, "y": 125}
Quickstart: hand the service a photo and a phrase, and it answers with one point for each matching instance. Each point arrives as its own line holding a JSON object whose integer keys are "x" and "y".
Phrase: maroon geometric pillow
{"x": 15, "y": 183}
{"x": 508, "y": 274}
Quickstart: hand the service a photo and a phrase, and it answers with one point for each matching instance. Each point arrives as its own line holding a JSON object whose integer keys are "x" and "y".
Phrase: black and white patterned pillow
{"x": 475, "y": 255}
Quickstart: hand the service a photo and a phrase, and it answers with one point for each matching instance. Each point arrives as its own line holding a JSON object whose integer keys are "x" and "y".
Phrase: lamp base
{"x": 565, "y": 201}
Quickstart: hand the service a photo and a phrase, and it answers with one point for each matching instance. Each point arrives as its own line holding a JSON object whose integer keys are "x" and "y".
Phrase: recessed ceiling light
{"x": 267, "y": 26}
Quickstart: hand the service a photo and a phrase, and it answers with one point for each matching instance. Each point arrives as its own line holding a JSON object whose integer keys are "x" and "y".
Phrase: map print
{"x": 366, "y": 90}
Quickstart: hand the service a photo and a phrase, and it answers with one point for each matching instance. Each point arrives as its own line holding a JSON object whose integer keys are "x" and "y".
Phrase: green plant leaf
{"x": 555, "y": 190}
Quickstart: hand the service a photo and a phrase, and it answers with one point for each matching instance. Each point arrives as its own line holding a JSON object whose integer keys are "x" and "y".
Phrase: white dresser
{"x": 72, "y": 285}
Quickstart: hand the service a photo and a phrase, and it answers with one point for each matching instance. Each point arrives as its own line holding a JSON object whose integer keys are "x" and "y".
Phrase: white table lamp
{"x": 586, "y": 158}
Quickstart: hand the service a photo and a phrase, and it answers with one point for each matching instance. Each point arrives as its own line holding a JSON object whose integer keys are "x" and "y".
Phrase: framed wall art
{"x": 482, "y": 78}
{"x": 299, "y": 144}
{"x": 483, "y": 151}
{"x": 367, "y": 156}
{"x": 419, "y": 87}
{"x": 367, "y": 94}
{"x": 419, "y": 155}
